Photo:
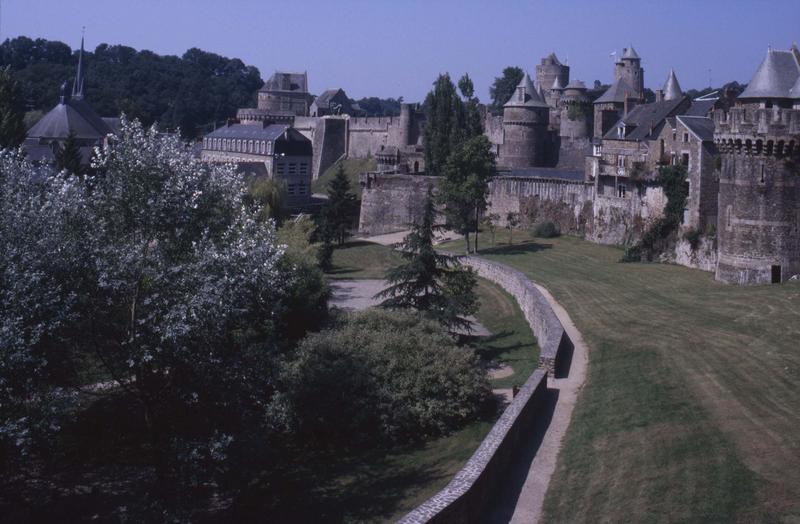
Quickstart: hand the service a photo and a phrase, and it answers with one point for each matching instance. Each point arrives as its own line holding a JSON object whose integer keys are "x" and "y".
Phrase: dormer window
{"x": 621, "y": 131}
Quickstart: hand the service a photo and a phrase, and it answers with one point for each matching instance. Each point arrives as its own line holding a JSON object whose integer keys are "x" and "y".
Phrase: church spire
{"x": 77, "y": 86}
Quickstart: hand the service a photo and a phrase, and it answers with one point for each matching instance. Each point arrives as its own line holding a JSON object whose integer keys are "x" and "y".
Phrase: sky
{"x": 397, "y": 48}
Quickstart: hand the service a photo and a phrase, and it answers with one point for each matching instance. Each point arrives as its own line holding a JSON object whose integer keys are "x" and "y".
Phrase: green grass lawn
{"x": 511, "y": 341}
{"x": 691, "y": 408}
{"x": 352, "y": 167}
{"x": 361, "y": 259}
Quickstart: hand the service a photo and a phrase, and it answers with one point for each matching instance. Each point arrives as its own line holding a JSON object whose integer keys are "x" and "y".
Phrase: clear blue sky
{"x": 392, "y": 48}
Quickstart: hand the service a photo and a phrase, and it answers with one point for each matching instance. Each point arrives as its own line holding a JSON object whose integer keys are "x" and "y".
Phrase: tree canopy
{"x": 503, "y": 87}
{"x": 12, "y": 127}
{"x": 190, "y": 92}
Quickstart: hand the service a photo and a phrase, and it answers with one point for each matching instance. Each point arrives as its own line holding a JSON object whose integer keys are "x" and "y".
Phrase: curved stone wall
{"x": 466, "y": 497}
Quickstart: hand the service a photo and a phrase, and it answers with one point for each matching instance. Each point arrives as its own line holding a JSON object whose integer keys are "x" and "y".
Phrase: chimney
{"x": 625, "y": 107}
{"x": 659, "y": 95}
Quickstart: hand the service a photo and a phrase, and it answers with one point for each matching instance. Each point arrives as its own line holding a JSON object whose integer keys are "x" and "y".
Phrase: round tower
{"x": 576, "y": 111}
{"x": 405, "y": 125}
{"x": 525, "y": 120}
{"x": 759, "y": 194}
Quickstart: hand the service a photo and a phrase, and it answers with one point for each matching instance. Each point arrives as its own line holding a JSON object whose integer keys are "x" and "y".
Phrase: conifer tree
{"x": 68, "y": 156}
{"x": 12, "y": 126}
{"x": 431, "y": 282}
{"x": 340, "y": 208}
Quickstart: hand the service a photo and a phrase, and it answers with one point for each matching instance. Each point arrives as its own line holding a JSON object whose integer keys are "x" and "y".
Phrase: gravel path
{"x": 528, "y": 507}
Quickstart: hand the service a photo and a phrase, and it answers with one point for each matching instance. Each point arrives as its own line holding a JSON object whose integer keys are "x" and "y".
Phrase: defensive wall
{"x": 467, "y": 497}
{"x": 391, "y": 202}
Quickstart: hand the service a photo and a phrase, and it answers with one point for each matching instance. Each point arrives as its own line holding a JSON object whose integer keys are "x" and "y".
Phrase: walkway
{"x": 522, "y": 502}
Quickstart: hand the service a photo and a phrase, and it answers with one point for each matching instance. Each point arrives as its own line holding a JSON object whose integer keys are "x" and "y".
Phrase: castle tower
{"x": 525, "y": 120}
{"x": 629, "y": 69}
{"x": 759, "y": 189}
{"x": 405, "y": 125}
{"x": 548, "y": 72}
{"x": 576, "y": 111}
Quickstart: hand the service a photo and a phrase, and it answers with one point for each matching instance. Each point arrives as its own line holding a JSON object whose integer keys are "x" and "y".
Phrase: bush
{"x": 381, "y": 376}
{"x": 546, "y": 230}
{"x": 693, "y": 237}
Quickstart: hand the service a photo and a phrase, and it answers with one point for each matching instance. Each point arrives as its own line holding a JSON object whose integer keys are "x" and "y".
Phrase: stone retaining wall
{"x": 467, "y": 496}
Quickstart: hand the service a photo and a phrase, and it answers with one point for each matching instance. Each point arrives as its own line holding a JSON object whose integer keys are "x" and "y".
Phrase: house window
{"x": 685, "y": 159}
{"x": 269, "y": 147}
{"x": 620, "y": 161}
{"x": 621, "y": 190}
{"x": 685, "y": 138}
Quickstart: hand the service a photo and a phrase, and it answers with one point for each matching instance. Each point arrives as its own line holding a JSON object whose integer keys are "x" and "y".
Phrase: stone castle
{"x": 588, "y": 160}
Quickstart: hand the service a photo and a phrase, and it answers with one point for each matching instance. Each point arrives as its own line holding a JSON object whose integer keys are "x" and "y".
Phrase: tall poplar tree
{"x": 444, "y": 128}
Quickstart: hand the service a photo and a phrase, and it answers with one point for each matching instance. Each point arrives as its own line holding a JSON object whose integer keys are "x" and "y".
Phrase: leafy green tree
{"x": 473, "y": 122}
{"x": 490, "y": 221}
{"x": 445, "y": 126}
{"x": 465, "y": 186}
{"x": 12, "y": 112}
{"x": 503, "y": 87}
{"x": 270, "y": 196}
{"x": 434, "y": 283}
{"x": 340, "y": 209}
{"x": 68, "y": 156}
{"x": 512, "y": 223}
{"x": 381, "y": 377}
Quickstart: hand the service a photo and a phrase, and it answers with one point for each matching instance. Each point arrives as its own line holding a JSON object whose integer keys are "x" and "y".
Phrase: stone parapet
{"x": 467, "y": 497}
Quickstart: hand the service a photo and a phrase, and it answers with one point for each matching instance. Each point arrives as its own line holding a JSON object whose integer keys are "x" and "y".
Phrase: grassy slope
{"x": 511, "y": 341}
{"x": 690, "y": 411}
{"x": 361, "y": 259}
{"x": 353, "y": 167}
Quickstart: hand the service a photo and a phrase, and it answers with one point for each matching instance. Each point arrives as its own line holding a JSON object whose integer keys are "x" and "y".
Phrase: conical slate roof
{"x": 630, "y": 52}
{"x": 776, "y": 75}
{"x": 672, "y": 89}
{"x": 557, "y": 84}
{"x": 526, "y": 95}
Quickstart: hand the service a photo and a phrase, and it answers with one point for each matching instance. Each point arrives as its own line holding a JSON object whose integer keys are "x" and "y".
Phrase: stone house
{"x": 275, "y": 151}
{"x": 331, "y": 102}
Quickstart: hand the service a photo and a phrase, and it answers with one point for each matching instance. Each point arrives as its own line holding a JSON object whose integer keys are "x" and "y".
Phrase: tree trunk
{"x": 466, "y": 241}
{"x": 477, "y": 212}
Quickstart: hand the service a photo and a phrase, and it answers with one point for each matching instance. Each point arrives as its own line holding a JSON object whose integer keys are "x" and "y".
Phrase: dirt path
{"x": 528, "y": 506}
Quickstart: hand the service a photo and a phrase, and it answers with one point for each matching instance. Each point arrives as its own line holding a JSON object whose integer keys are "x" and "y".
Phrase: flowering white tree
{"x": 157, "y": 271}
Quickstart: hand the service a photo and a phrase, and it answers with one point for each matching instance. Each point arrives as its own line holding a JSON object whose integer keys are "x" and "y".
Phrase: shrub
{"x": 546, "y": 229}
{"x": 693, "y": 237}
{"x": 381, "y": 376}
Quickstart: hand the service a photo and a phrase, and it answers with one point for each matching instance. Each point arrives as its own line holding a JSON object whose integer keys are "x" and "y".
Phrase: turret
{"x": 525, "y": 120}
{"x": 576, "y": 111}
{"x": 759, "y": 196}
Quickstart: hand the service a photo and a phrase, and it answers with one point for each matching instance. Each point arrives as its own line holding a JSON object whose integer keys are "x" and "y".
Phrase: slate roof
{"x": 645, "y": 120}
{"x": 557, "y": 83}
{"x": 553, "y": 58}
{"x": 702, "y": 127}
{"x": 630, "y": 52}
{"x": 70, "y": 115}
{"x": 324, "y": 100}
{"x": 794, "y": 92}
{"x": 531, "y": 95}
{"x": 672, "y": 89}
{"x": 282, "y": 81}
{"x": 775, "y": 76}
{"x": 701, "y": 107}
{"x": 255, "y": 132}
{"x": 616, "y": 93}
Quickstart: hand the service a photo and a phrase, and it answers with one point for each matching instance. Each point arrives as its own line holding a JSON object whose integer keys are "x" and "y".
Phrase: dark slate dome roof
{"x": 71, "y": 115}
{"x": 775, "y": 77}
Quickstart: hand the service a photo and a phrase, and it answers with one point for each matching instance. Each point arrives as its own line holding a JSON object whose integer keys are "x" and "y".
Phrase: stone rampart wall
{"x": 391, "y": 203}
{"x": 469, "y": 494}
{"x": 704, "y": 257}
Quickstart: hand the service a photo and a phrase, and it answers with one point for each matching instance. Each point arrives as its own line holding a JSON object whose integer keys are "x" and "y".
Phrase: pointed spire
{"x": 672, "y": 89}
{"x": 526, "y": 94}
{"x": 77, "y": 86}
{"x": 630, "y": 52}
{"x": 557, "y": 83}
